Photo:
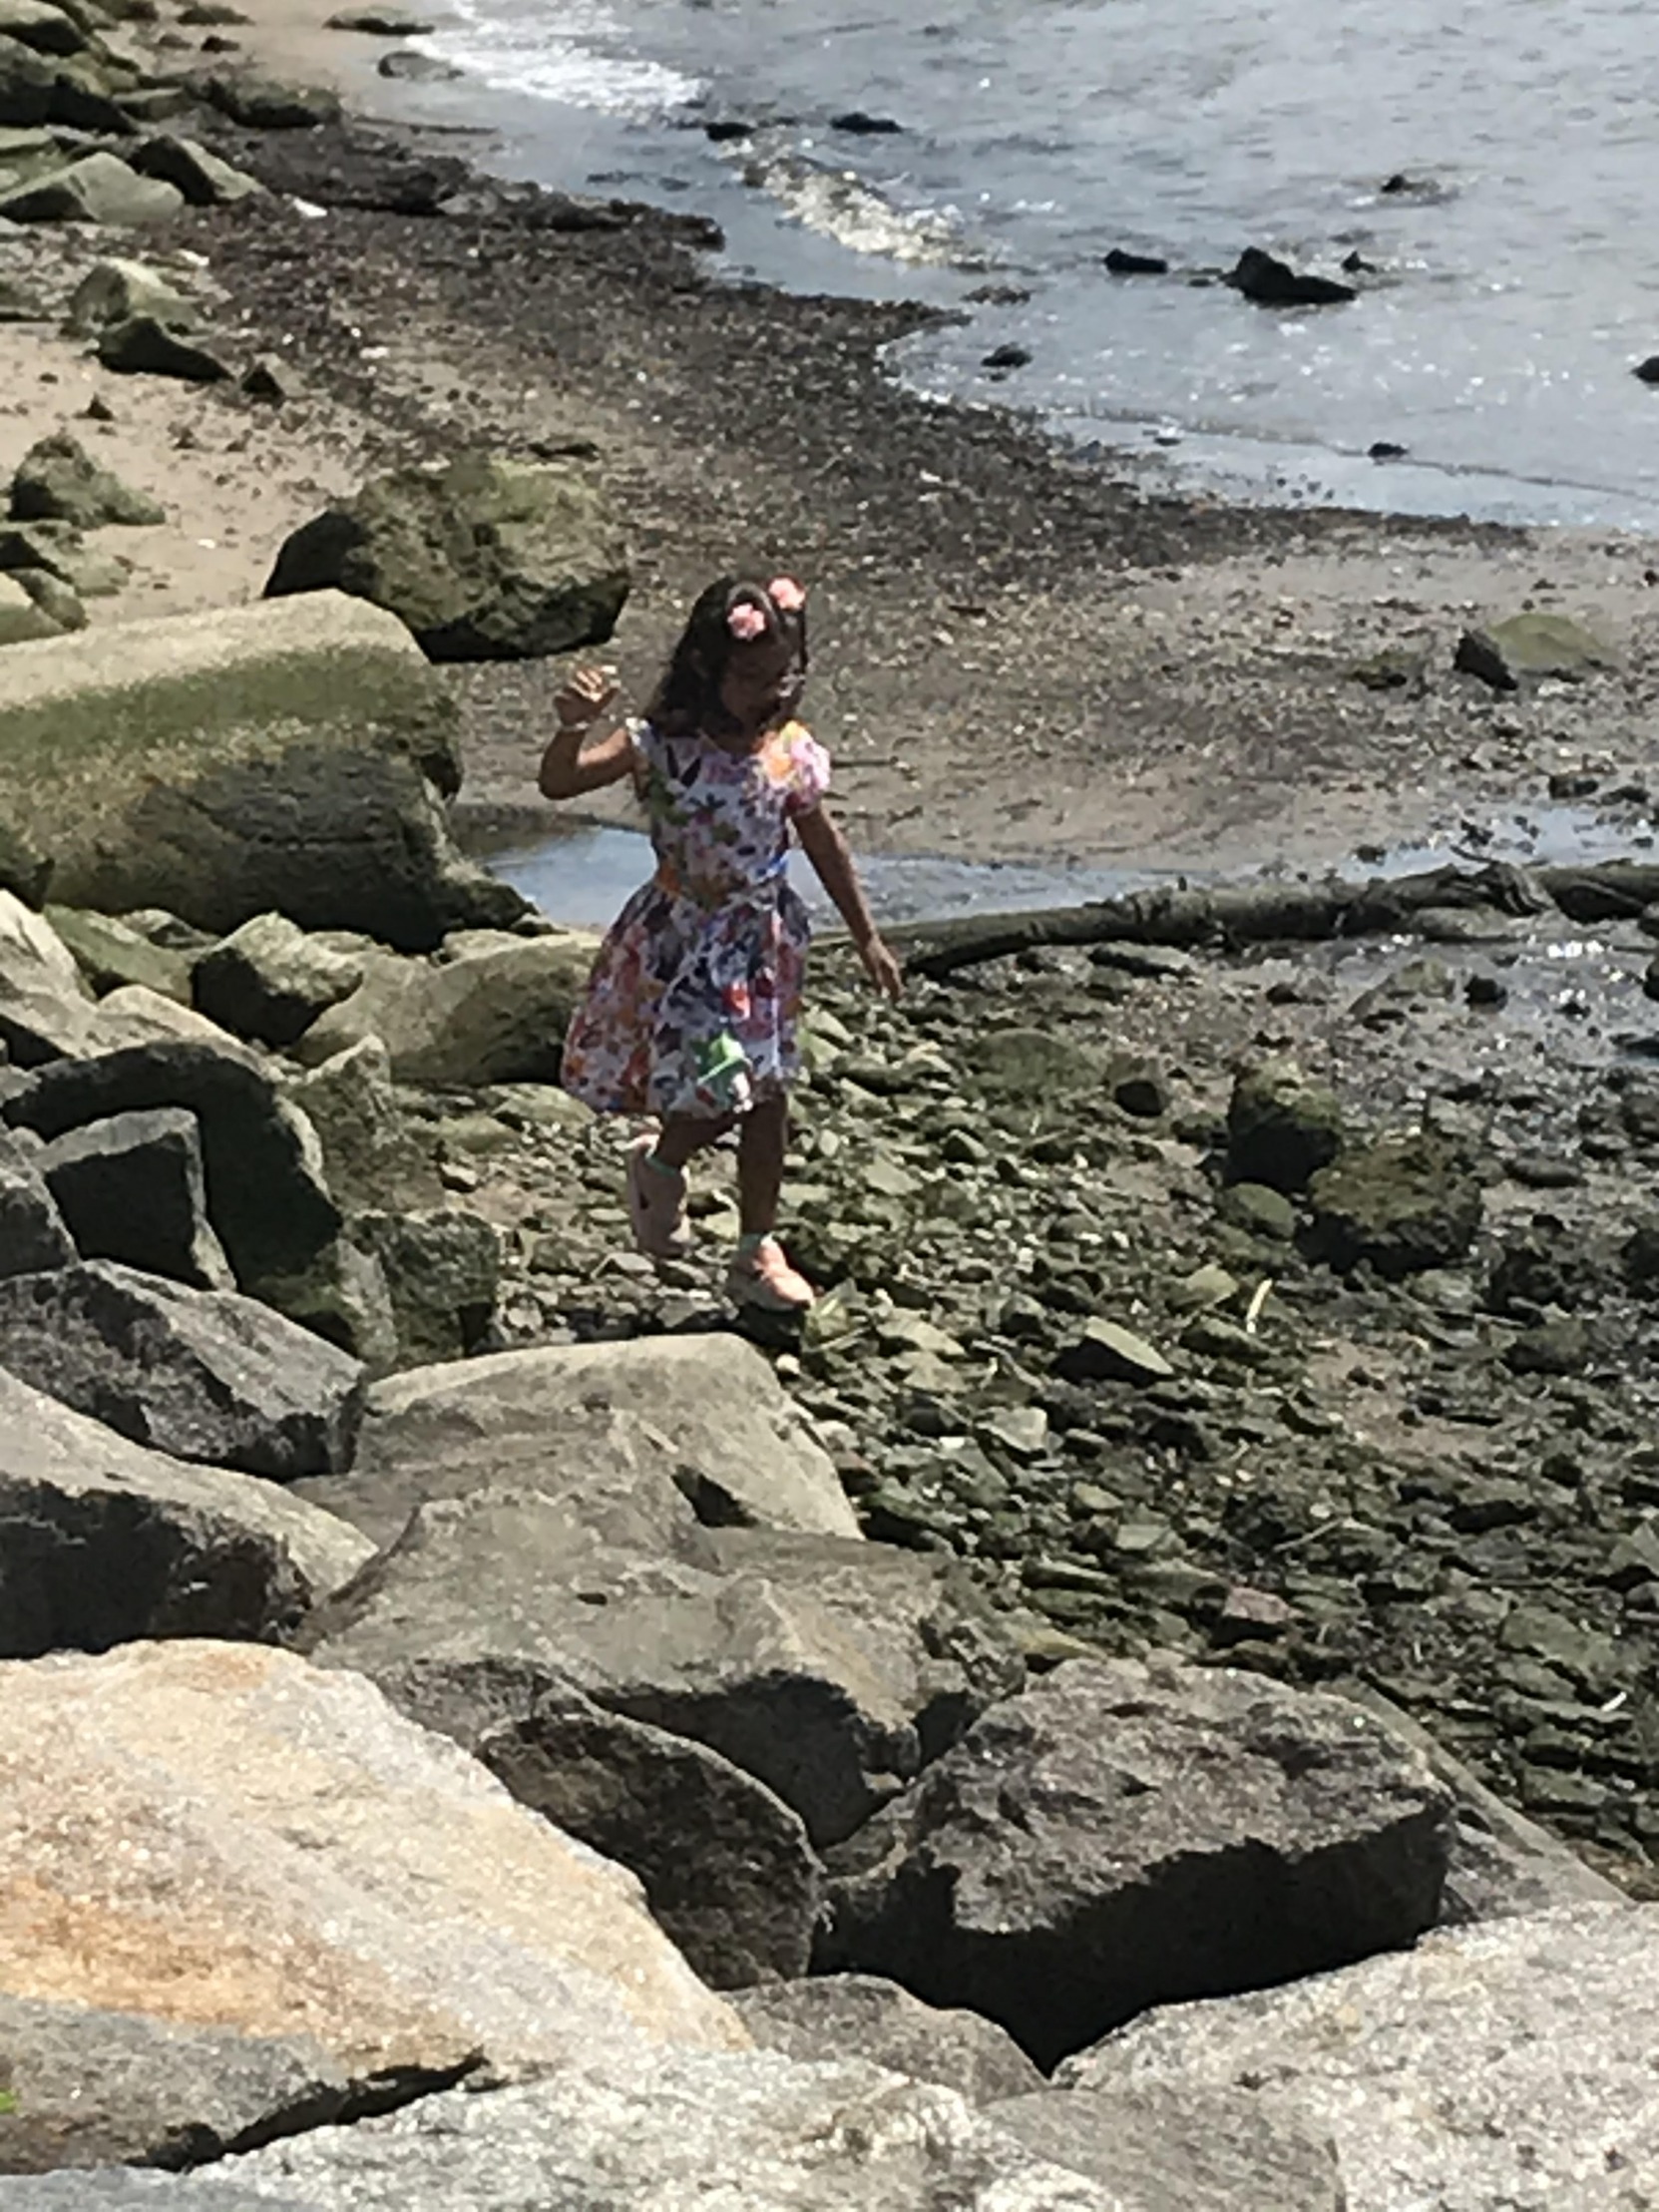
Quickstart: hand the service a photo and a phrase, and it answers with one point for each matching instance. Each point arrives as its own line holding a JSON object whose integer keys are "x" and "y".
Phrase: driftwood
{"x": 1267, "y": 913}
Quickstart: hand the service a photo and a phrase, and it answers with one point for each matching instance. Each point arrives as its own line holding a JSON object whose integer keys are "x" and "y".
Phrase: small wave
{"x": 843, "y": 207}
{"x": 583, "y": 62}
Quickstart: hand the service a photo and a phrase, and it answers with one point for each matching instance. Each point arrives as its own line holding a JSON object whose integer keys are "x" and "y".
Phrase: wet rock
{"x": 267, "y": 1199}
{"x": 1534, "y": 2033}
{"x": 268, "y": 981}
{"x": 1647, "y": 371}
{"x": 1122, "y": 262}
{"x": 288, "y": 1817}
{"x": 1124, "y": 1835}
{"x": 1271, "y": 282}
{"x": 857, "y": 123}
{"x": 58, "y": 481}
{"x": 269, "y": 104}
{"x": 130, "y": 1189}
{"x": 205, "y": 180}
{"x": 828, "y": 1669}
{"x": 99, "y": 188}
{"x": 1106, "y": 1353}
{"x": 728, "y": 1871}
{"x": 1006, "y": 357}
{"x": 34, "y": 1235}
{"x": 859, "y": 2015}
{"x": 102, "y": 1541}
{"x": 417, "y": 69}
{"x": 144, "y": 346}
{"x": 1168, "y": 2150}
{"x": 202, "y": 1374}
{"x": 486, "y": 559}
{"x": 442, "y": 1271}
{"x": 1524, "y": 646}
{"x": 752, "y": 2129}
{"x": 1281, "y": 1129}
{"x": 496, "y": 1015}
{"x": 1399, "y": 1203}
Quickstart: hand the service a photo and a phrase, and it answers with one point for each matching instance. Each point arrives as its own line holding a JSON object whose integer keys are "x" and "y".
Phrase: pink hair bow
{"x": 786, "y": 594}
{"x": 746, "y": 622}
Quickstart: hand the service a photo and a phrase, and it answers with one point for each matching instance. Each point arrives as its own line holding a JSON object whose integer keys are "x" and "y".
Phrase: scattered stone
{"x": 1281, "y": 1129}
{"x": 268, "y": 981}
{"x": 60, "y": 550}
{"x": 1106, "y": 1353}
{"x": 728, "y": 1871}
{"x": 417, "y": 69}
{"x": 1534, "y": 2033}
{"x": 34, "y": 1235}
{"x": 288, "y": 757}
{"x": 114, "y": 291}
{"x": 1125, "y": 1833}
{"x": 1274, "y": 283}
{"x": 1008, "y": 357}
{"x": 1163, "y": 2149}
{"x": 485, "y": 559}
{"x": 1121, "y": 262}
{"x": 102, "y": 1541}
{"x": 269, "y": 380}
{"x": 1140, "y": 1087}
{"x": 56, "y": 599}
{"x": 58, "y": 481}
{"x": 442, "y": 1271}
{"x": 202, "y": 1374}
{"x": 205, "y": 180}
{"x": 288, "y": 1817}
{"x": 48, "y": 30}
{"x": 859, "y": 2015}
{"x": 21, "y": 620}
{"x": 1259, "y": 1210}
{"x": 1525, "y": 646}
{"x": 828, "y": 1669}
{"x": 267, "y": 1199}
{"x": 497, "y": 1015}
{"x": 26, "y": 82}
{"x": 1399, "y": 1203}
{"x": 1552, "y": 1348}
{"x": 857, "y": 124}
{"x": 265, "y": 103}
{"x": 1031, "y": 1063}
{"x": 86, "y": 95}
{"x": 110, "y": 953}
{"x": 382, "y": 22}
{"x": 708, "y": 1421}
{"x": 99, "y": 188}
{"x": 130, "y": 1189}
{"x": 1647, "y": 371}
{"x": 142, "y": 346}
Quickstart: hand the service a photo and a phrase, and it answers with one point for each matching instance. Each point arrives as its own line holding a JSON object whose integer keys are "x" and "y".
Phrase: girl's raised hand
{"x": 587, "y": 696}
{"x": 882, "y": 969}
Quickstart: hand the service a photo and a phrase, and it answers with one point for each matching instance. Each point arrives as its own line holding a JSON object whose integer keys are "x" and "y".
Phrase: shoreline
{"x": 1019, "y": 655}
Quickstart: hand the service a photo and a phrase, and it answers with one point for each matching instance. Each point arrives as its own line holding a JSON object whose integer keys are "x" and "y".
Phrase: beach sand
{"x": 1015, "y": 653}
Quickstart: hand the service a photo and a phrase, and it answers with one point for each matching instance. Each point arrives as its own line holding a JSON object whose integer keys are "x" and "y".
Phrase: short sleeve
{"x": 809, "y": 779}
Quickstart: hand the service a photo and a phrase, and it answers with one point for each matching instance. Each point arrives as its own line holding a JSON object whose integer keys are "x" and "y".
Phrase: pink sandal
{"x": 656, "y": 1203}
{"x": 761, "y": 1276}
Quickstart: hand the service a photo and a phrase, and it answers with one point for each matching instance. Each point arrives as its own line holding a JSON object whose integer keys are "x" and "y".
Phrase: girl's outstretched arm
{"x": 575, "y": 764}
{"x": 826, "y": 849}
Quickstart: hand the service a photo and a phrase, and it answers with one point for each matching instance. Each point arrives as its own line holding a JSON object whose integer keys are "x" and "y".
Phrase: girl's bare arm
{"x": 574, "y": 763}
{"x": 833, "y": 864}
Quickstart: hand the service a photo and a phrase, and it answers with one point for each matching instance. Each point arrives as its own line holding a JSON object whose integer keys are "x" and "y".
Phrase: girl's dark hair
{"x": 688, "y": 697}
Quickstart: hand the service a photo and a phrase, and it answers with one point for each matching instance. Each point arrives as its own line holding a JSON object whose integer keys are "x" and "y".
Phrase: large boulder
{"x": 130, "y": 1188}
{"x": 1399, "y": 1203}
{"x": 727, "y": 1867}
{"x": 45, "y": 1008}
{"x": 58, "y": 480}
{"x": 1503, "y": 2065}
{"x": 102, "y": 1540}
{"x": 200, "y": 1374}
{"x": 1124, "y": 1834}
{"x": 285, "y": 757}
{"x": 748, "y": 2133}
{"x": 496, "y": 1014}
{"x": 272, "y": 104}
{"x": 48, "y": 30}
{"x": 1528, "y": 647}
{"x": 99, "y": 188}
{"x": 371, "y": 1151}
{"x": 26, "y": 82}
{"x": 21, "y": 619}
{"x": 268, "y": 981}
{"x": 442, "y": 1271}
{"x": 859, "y": 2015}
{"x": 705, "y": 1418}
{"x": 309, "y": 1863}
{"x": 266, "y": 1199}
{"x": 33, "y": 1234}
{"x": 110, "y": 953}
{"x": 830, "y": 1670}
{"x": 148, "y": 345}
{"x": 114, "y": 290}
{"x": 485, "y": 559}
{"x": 1280, "y": 1127}
{"x": 205, "y": 180}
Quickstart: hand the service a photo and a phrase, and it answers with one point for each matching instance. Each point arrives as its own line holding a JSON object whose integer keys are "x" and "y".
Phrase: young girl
{"x": 690, "y": 1014}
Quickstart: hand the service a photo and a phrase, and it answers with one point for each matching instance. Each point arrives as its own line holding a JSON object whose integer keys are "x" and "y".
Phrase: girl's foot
{"x": 656, "y": 1203}
{"x": 761, "y": 1276}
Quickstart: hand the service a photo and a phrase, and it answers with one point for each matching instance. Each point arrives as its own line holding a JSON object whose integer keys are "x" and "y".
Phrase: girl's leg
{"x": 656, "y": 1183}
{"x": 761, "y": 1145}
{"x": 682, "y": 1134}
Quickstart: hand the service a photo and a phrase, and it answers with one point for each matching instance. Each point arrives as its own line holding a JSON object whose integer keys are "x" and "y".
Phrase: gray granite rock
{"x": 130, "y": 1188}
{"x": 1169, "y": 2149}
{"x": 33, "y": 1233}
{"x": 859, "y": 2015}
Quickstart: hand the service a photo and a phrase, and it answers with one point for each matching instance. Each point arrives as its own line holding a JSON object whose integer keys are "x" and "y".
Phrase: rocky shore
{"x": 1147, "y": 1699}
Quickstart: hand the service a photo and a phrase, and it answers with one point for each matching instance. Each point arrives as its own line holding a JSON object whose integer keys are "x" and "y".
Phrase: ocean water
{"x": 1511, "y": 285}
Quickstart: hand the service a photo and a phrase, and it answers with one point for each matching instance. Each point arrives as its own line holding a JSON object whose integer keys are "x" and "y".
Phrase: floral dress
{"x": 713, "y": 949}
